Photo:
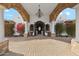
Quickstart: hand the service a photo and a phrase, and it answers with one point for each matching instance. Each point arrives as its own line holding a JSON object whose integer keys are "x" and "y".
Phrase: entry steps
{"x": 39, "y": 37}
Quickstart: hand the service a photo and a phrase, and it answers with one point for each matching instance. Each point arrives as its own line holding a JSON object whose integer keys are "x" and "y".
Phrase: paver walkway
{"x": 43, "y": 47}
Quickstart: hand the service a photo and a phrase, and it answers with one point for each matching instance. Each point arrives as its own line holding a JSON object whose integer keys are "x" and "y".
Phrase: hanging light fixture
{"x": 39, "y": 13}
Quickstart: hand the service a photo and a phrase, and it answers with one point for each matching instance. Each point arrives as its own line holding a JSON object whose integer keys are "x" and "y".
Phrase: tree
{"x": 21, "y": 28}
{"x": 70, "y": 29}
{"x": 58, "y": 28}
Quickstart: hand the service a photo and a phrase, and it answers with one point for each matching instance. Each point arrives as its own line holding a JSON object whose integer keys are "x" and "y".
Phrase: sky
{"x": 69, "y": 13}
{"x": 9, "y": 14}
{"x": 12, "y": 14}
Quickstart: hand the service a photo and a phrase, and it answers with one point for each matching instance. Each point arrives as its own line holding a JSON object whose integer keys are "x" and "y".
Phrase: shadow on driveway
{"x": 10, "y": 53}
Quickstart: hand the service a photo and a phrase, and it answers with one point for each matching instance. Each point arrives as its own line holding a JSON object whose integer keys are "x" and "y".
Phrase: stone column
{"x": 1, "y": 24}
{"x": 26, "y": 29}
{"x": 44, "y": 30}
{"x": 77, "y": 27}
{"x": 34, "y": 29}
{"x": 3, "y": 42}
{"x": 76, "y": 8}
{"x": 53, "y": 28}
{"x": 75, "y": 41}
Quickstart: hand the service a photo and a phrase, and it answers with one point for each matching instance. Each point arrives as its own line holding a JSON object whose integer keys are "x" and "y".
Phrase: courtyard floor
{"x": 44, "y": 47}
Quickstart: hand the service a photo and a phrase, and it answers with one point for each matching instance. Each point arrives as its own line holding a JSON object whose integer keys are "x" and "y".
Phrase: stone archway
{"x": 19, "y": 8}
{"x": 59, "y": 8}
{"x": 39, "y": 28}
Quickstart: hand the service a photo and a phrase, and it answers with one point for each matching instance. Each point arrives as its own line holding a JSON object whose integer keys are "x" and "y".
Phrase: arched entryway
{"x": 39, "y": 28}
{"x": 66, "y": 23}
{"x": 12, "y": 15}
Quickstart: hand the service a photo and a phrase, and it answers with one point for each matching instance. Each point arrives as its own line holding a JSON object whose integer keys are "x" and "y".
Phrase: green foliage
{"x": 71, "y": 29}
{"x": 9, "y": 29}
{"x": 58, "y": 28}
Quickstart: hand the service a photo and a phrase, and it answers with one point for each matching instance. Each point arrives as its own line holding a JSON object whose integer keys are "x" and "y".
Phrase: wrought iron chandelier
{"x": 39, "y": 13}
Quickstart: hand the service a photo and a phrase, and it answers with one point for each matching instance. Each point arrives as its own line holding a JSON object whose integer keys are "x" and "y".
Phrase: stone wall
{"x": 4, "y": 46}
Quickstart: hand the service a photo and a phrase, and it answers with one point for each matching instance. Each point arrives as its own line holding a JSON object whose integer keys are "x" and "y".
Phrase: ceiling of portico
{"x": 46, "y": 8}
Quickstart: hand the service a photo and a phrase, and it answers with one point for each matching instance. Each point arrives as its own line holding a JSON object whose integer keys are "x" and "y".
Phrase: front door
{"x": 39, "y": 28}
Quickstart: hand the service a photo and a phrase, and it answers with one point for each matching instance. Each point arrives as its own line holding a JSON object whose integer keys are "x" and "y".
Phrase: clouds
{"x": 13, "y": 14}
{"x": 67, "y": 14}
